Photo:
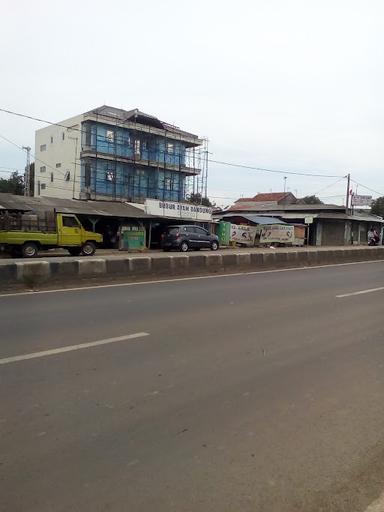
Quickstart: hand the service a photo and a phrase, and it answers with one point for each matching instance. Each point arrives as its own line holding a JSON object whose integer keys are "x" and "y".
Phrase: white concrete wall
{"x": 63, "y": 146}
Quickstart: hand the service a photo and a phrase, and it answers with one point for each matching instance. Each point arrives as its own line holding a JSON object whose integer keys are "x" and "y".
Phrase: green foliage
{"x": 12, "y": 185}
{"x": 197, "y": 199}
{"x": 312, "y": 200}
{"x": 377, "y": 207}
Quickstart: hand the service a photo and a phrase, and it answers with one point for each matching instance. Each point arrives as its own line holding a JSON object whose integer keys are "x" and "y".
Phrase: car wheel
{"x": 214, "y": 245}
{"x": 184, "y": 246}
{"x": 88, "y": 249}
{"x": 29, "y": 250}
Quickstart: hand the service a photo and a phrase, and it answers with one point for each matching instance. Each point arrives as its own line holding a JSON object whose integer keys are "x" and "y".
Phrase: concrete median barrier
{"x": 92, "y": 266}
{"x": 244, "y": 259}
{"x": 230, "y": 260}
{"x": 118, "y": 266}
{"x": 196, "y": 261}
{"x": 180, "y": 264}
{"x": 8, "y": 274}
{"x": 213, "y": 260}
{"x": 162, "y": 264}
{"x": 66, "y": 270}
{"x": 140, "y": 265}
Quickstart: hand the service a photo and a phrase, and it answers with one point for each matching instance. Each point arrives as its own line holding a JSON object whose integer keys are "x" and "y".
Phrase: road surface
{"x": 241, "y": 393}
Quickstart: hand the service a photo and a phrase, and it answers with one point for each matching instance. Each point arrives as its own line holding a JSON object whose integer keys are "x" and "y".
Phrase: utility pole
{"x": 285, "y": 183}
{"x": 348, "y": 176}
{"x": 27, "y": 174}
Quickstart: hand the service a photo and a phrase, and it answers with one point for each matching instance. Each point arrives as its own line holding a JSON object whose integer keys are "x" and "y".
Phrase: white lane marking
{"x": 70, "y": 348}
{"x": 194, "y": 278}
{"x": 377, "y": 506}
{"x": 360, "y": 292}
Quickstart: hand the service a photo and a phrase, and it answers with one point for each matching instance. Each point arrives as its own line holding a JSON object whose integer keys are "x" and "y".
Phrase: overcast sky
{"x": 294, "y": 85}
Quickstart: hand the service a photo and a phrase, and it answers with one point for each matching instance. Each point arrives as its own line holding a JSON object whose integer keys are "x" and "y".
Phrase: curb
{"x": 34, "y": 272}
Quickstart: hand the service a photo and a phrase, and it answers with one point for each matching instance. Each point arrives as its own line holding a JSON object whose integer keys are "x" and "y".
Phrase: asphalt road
{"x": 246, "y": 393}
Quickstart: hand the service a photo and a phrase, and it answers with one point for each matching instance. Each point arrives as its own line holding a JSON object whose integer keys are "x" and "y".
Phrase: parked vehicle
{"x": 185, "y": 237}
{"x": 25, "y": 234}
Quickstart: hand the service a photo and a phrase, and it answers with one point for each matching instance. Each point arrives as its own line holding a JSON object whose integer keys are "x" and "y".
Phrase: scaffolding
{"x": 138, "y": 156}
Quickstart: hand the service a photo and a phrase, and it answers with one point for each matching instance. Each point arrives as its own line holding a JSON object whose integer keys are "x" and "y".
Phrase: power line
{"x": 34, "y": 156}
{"x": 230, "y": 164}
{"x": 11, "y": 169}
{"x": 243, "y": 166}
{"x": 261, "y": 169}
{"x": 367, "y": 188}
{"x": 329, "y": 186}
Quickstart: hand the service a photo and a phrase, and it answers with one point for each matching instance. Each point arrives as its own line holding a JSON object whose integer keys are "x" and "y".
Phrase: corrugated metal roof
{"x": 329, "y": 216}
{"x": 256, "y": 219}
{"x": 268, "y": 207}
{"x": 99, "y": 208}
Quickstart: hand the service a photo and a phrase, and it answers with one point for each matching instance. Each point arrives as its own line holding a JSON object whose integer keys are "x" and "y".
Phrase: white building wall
{"x": 57, "y": 159}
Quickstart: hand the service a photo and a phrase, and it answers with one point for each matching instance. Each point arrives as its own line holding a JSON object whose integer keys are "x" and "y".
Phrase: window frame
{"x": 110, "y": 136}
{"x": 110, "y": 175}
{"x": 75, "y": 223}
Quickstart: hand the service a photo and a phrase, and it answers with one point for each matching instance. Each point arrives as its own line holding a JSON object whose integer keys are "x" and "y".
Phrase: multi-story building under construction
{"x": 114, "y": 154}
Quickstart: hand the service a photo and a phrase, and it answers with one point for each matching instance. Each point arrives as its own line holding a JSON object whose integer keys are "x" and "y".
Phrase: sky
{"x": 296, "y": 86}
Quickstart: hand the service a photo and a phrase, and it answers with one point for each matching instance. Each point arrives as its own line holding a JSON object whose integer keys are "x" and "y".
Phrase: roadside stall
{"x": 282, "y": 235}
{"x": 256, "y": 230}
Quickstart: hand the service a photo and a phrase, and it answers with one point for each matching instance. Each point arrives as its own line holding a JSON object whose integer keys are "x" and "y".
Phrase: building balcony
{"x": 89, "y": 152}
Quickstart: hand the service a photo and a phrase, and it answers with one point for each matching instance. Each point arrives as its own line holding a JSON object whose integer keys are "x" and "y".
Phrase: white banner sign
{"x": 243, "y": 234}
{"x": 358, "y": 200}
{"x": 175, "y": 210}
{"x": 277, "y": 234}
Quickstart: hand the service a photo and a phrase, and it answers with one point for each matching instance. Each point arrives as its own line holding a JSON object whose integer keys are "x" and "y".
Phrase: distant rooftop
{"x": 273, "y": 196}
{"x": 120, "y": 116}
{"x": 273, "y": 206}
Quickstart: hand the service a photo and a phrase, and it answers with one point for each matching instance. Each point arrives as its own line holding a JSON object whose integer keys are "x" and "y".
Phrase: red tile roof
{"x": 272, "y": 196}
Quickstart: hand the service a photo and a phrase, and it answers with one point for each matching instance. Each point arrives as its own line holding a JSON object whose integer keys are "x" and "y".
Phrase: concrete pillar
{"x": 319, "y": 231}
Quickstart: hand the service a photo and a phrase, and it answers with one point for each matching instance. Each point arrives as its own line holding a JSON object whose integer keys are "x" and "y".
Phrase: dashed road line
{"x": 71, "y": 348}
{"x": 360, "y": 292}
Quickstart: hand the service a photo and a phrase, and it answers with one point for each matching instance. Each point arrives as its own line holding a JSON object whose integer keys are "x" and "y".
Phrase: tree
{"x": 377, "y": 207}
{"x": 312, "y": 200}
{"x": 198, "y": 199}
{"x": 13, "y": 185}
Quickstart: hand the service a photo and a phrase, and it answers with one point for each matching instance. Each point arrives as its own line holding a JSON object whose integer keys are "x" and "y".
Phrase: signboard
{"x": 358, "y": 200}
{"x": 243, "y": 234}
{"x": 308, "y": 220}
{"x": 175, "y": 210}
{"x": 277, "y": 234}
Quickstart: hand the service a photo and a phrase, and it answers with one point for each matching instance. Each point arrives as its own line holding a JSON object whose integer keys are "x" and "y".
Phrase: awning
{"x": 82, "y": 207}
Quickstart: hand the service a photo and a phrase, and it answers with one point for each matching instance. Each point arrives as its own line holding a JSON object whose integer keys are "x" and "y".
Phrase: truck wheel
{"x": 74, "y": 251}
{"x": 29, "y": 250}
{"x": 88, "y": 249}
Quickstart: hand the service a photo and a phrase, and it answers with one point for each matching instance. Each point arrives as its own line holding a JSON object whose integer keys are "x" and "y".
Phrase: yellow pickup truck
{"x": 24, "y": 235}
